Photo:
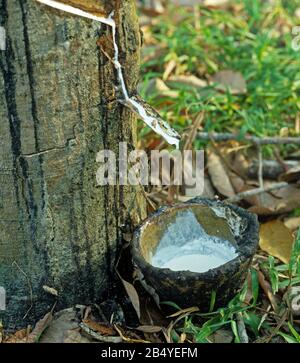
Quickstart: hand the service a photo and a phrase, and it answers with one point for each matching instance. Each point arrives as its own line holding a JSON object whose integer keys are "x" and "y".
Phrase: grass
{"x": 252, "y": 318}
{"x": 254, "y": 38}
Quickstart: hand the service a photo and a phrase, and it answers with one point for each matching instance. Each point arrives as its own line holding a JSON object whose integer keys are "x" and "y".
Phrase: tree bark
{"x": 58, "y": 109}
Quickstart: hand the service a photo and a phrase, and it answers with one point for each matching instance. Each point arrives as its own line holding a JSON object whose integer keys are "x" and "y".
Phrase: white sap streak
{"x": 116, "y": 59}
{"x": 161, "y": 127}
{"x": 76, "y": 11}
{"x": 168, "y": 134}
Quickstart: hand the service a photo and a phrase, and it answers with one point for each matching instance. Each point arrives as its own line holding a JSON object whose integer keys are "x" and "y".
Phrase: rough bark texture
{"x": 57, "y": 110}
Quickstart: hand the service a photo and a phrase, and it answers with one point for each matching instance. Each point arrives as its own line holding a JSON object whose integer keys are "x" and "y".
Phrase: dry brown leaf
{"x": 169, "y": 68}
{"x": 40, "y": 327}
{"x": 19, "y": 337}
{"x": 97, "y": 336}
{"x": 233, "y": 81}
{"x": 238, "y": 160}
{"x": 100, "y": 328}
{"x": 128, "y": 339}
{"x": 157, "y": 86}
{"x": 219, "y": 175}
{"x": 292, "y": 223}
{"x": 187, "y": 80}
{"x": 249, "y": 293}
{"x": 237, "y": 182}
{"x": 292, "y": 175}
{"x": 74, "y": 336}
{"x": 133, "y": 296}
{"x": 279, "y": 201}
{"x": 276, "y": 239}
{"x": 265, "y": 285}
{"x": 63, "y": 321}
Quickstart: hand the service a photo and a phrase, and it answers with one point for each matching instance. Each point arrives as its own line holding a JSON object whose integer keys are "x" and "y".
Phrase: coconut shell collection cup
{"x": 187, "y": 288}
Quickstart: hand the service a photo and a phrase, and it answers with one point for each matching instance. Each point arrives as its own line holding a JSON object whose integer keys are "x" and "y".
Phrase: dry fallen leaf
{"x": 99, "y": 328}
{"x": 276, "y": 239}
{"x": 128, "y": 339}
{"x": 219, "y": 175}
{"x": 279, "y": 201}
{"x": 133, "y": 296}
{"x": 97, "y": 336}
{"x": 186, "y": 80}
{"x": 292, "y": 223}
{"x": 292, "y": 175}
{"x": 265, "y": 285}
{"x": 40, "y": 327}
{"x": 19, "y": 337}
{"x": 63, "y": 321}
{"x": 157, "y": 86}
{"x": 169, "y": 68}
{"x": 233, "y": 81}
{"x": 74, "y": 336}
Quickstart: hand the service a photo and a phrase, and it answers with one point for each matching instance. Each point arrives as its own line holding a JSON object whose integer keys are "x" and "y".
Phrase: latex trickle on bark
{"x": 142, "y": 109}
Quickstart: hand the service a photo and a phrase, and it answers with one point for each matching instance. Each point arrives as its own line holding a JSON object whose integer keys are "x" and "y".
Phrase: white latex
{"x": 186, "y": 246}
{"x": 159, "y": 126}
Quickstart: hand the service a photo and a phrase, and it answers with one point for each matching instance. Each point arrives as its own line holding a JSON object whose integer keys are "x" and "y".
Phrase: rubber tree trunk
{"x": 58, "y": 109}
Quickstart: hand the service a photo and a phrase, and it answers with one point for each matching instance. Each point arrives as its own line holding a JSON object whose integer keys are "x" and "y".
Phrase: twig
{"x": 193, "y": 133}
{"x": 278, "y": 327}
{"x": 250, "y": 193}
{"x": 148, "y": 200}
{"x": 254, "y": 139}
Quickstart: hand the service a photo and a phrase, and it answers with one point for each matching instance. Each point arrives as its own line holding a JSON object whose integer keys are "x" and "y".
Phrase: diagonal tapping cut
{"x": 134, "y": 103}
